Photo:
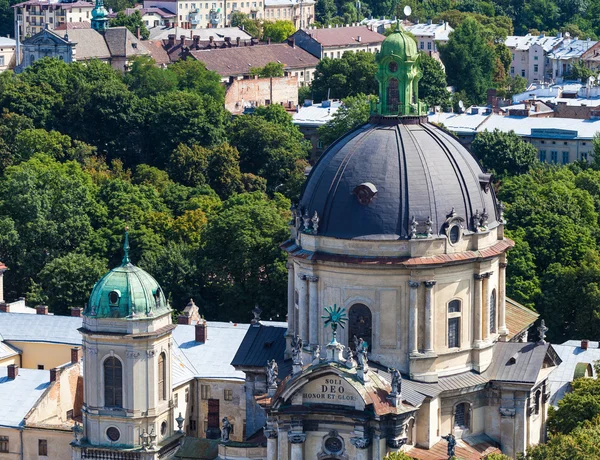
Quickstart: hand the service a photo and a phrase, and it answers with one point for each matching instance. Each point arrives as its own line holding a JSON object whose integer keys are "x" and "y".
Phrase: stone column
{"x": 502, "y": 329}
{"x": 302, "y": 327}
{"x": 485, "y": 306}
{"x": 429, "y": 316}
{"x": 290, "y": 300}
{"x": 413, "y": 323}
{"x": 297, "y": 440}
{"x": 271, "y": 435}
{"x": 477, "y": 319}
{"x": 2, "y": 284}
{"x": 313, "y": 318}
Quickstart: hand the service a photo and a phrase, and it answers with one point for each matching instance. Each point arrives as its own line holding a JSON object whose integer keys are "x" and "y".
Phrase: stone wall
{"x": 260, "y": 92}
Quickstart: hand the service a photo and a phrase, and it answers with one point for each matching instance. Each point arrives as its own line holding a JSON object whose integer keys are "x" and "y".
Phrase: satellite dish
{"x": 567, "y": 34}
{"x": 407, "y": 11}
{"x": 461, "y": 104}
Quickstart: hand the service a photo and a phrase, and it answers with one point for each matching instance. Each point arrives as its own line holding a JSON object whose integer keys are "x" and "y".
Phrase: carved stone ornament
{"x": 306, "y": 221}
{"x": 507, "y": 412}
{"x": 414, "y": 284}
{"x": 333, "y": 443}
{"x": 150, "y": 353}
{"x": 413, "y": 227}
{"x": 272, "y": 373}
{"x": 360, "y": 442}
{"x": 429, "y": 227}
{"x": 453, "y": 227}
{"x": 315, "y": 223}
{"x": 296, "y": 438}
{"x": 92, "y": 351}
{"x": 476, "y": 220}
{"x": 501, "y": 209}
{"x": 270, "y": 433}
{"x": 132, "y": 354}
{"x": 365, "y": 193}
{"x": 297, "y": 350}
{"x": 256, "y": 313}
{"x": 396, "y": 443}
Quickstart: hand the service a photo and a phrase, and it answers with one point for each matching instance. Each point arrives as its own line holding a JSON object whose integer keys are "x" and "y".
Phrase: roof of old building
{"x": 23, "y": 327}
{"x": 54, "y": 4}
{"x": 345, "y": 36}
{"x": 572, "y": 354}
{"x": 261, "y": 344}
{"x": 6, "y": 350}
{"x": 439, "y": 31}
{"x": 571, "y": 48}
{"x": 315, "y": 114}
{"x": 468, "y": 448}
{"x": 239, "y": 60}
{"x": 198, "y": 449}
{"x": 89, "y": 44}
{"x": 518, "y": 318}
{"x": 74, "y": 25}
{"x": 218, "y": 33}
{"x": 6, "y": 42}
{"x": 122, "y": 43}
{"x": 518, "y": 362}
{"x": 18, "y": 396}
{"x": 524, "y": 42}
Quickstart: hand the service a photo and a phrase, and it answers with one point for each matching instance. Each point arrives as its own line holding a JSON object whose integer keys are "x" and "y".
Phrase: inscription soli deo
{"x": 329, "y": 390}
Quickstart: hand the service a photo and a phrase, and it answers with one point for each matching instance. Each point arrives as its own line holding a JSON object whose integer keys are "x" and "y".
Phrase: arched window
{"x": 113, "y": 382}
{"x": 162, "y": 377}
{"x": 454, "y": 314}
{"x": 393, "y": 96}
{"x": 493, "y": 312}
{"x": 537, "y": 402}
{"x": 360, "y": 321}
{"x": 462, "y": 416}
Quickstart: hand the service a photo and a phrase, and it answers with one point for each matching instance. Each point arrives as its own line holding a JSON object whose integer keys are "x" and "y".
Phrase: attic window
{"x": 512, "y": 360}
{"x": 365, "y": 192}
{"x": 269, "y": 343}
{"x": 134, "y": 45}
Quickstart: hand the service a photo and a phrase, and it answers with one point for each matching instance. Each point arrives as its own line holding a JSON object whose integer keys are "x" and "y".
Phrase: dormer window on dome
{"x": 365, "y": 192}
{"x": 114, "y": 297}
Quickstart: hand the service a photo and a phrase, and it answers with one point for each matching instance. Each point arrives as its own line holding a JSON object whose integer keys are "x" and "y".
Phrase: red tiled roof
{"x": 74, "y": 25}
{"x": 238, "y": 60}
{"x": 518, "y": 318}
{"x": 344, "y": 36}
{"x": 64, "y": 6}
{"x": 465, "y": 450}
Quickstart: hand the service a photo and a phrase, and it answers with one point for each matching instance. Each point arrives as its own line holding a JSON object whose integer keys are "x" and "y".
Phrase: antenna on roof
{"x": 461, "y": 105}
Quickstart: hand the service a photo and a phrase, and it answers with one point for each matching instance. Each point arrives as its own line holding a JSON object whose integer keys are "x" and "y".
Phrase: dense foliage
{"x": 133, "y": 22}
{"x": 354, "y": 111}
{"x": 85, "y": 151}
{"x": 504, "y": 154}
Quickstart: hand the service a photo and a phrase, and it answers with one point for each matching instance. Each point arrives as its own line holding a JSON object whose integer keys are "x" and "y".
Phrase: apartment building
{"x": 301, "y": 13}
{"x": 7, "y": 53}
{"x": 566, "y": 54}
{"x": 34, "y": 15}
{"x": 530, "y": 56}
{"x": 428, "y": 35}
{"x": 333, "y": 42}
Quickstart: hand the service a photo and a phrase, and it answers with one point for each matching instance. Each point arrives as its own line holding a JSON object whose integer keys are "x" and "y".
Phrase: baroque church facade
{"x": 399, "y": 226}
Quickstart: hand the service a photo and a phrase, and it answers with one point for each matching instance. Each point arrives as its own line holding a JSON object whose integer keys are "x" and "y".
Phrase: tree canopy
{"x": 133, "y": 22}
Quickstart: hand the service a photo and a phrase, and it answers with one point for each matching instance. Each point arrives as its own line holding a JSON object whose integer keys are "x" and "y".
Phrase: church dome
{"x": 397, "y": 177}
{"x": 127, "y": 291}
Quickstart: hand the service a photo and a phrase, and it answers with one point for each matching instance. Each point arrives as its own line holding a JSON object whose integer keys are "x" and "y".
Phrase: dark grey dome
{"x": 371, "y": 182}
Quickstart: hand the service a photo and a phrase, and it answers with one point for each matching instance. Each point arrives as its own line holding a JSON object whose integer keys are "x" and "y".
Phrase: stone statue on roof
{"x": 272, "y": 373}
{"x": 451, "y": 445}
{"x": 396, "y": 381}
{"x": 297, "y": 350}
{"x": 225, "y": 430}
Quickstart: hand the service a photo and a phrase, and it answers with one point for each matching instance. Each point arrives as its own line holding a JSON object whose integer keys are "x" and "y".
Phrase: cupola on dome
{"x": 127, "y": 291}
{"x": 398, "y": 177}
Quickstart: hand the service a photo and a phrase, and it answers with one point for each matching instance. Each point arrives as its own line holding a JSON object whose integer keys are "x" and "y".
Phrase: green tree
{"x": 251, "y": 26}
{"x": 353, "y": 74}
{"x": 470, "y": 60}
{"x": 354, "y": 112}
{"x": 67, "y": 281}
{"x": 242, "y": 263}
{"x": 52, "y": 143}
{"x": 497, "y": 457}
{"x": 278, "y": 31}
{"x": 504, "y": 153}
{"x": 188, "y": 165}
{"x": 398, "y": 456}
{"x": 270, "y": 70}
{"x": 432, "y": 85}
{"x": 578, "y": 407}
{"x": 145, "y": 79}
{"x": 223, "y": 172}
{"x": 192, "y": 75}
{"x": 325, "y": 10}
{"x": 579, "y": 71}
{"x": 133, "y": 22}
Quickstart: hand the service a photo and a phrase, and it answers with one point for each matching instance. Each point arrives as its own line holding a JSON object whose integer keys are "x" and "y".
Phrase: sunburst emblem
{"x": 335, "y": 316}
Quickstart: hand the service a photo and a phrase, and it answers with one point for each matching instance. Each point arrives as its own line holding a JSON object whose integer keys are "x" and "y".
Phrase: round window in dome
{"x": 163, "y": 428}
{"x": 333, "y": 443}
{"x": 393, "y": 66}
{"x": 113, "y": 434}
{"x": 113, "y": 297}
{"x": 454, "y": 234}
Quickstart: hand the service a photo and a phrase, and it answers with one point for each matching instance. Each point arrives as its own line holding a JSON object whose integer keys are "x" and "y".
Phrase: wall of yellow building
{"x": 10, "y": 360}
{"x": 49, "y": 355}
{"x": 58, "y": 442}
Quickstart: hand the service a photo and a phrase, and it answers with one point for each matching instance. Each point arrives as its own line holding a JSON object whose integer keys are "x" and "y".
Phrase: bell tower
{"x": 126, "y": 338}
{"x": 398, "y": 74}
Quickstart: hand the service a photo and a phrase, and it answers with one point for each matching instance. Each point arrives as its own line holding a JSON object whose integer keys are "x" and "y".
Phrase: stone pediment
{"x": 330, "y": 384}
{"x": 46, "y": 37}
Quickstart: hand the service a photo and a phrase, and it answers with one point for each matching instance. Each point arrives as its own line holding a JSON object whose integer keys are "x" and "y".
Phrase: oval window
{"x": 163, "y": 428}
{"x": 454, "y": 234}
{"x": 334, "y": 445}
{"x": 113, "y": 297}
{"x": 113, "y": 434}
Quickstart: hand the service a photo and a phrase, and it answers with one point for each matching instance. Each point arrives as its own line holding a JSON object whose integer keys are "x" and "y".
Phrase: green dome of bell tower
{"x": 128, "y": 292}
{"x": 398, "y": 74}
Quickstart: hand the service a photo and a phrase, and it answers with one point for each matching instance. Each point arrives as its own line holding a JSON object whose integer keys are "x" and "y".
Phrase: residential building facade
{"x": 428, "y": 35}
{"x": 35, "y": 15}
{"x": 333, "y": 42}
{"x": 7, "y": 53}
{"x": 530, "y": 56}
{"x": 301, "y": 13}
{"x": 563, "y": 56}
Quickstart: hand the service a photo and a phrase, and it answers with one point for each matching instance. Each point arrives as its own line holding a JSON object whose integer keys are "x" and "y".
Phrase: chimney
{"x": 76, "y": 312}
{"x": 292, "y": 42}
{"x": 184, "y": 319}
{"x": 201, "y": 331}
{"x": 4, "y": 307}
{"x": 197, "y": 41}
{"x": 211, "y": 39}
{"x": 41, "y": 309}
{"x": 171, "y": 40}
{"x": 13, "y": 371}
{"x": 182, "y": 40}
{"x": 584, "y": 344}
{"x": 75, "y": 355}
{"x": 358, "y": 39}
{"x": 237, "y": 41}
{"x": 53, "y": 374}
{"x": 228, "y": 41}
{"x": 138, "y": 34}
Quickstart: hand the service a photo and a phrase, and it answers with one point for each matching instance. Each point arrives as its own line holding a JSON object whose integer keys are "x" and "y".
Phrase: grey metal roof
{"x": 412, "y": 391}
{"x": 18, "y": 396}
{"x": 418, "y": 170}
{"x": 210, "y": 359}
{"x": 261, "y": 344}
{"x": 570, "y": 353}
{"x": 90, "y": 44}
{"x": 463, "y": 380}
{"x": 23, "y": 327}
{"x": 121, "y": 42}
{"x": 6, "y": 351}
{"x": 528, "y": 361}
